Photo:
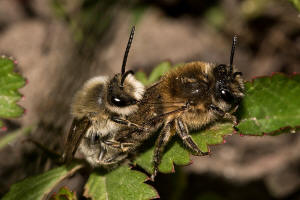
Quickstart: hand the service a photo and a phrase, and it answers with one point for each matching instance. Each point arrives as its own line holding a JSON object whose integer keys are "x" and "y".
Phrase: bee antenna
{"x": 124, "y": 76}
{"x": 234, "y": 41}
{"x": 127, "y": 50}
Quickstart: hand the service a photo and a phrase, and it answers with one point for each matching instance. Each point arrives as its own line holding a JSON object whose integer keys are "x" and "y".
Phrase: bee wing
{"x": 76, "y": 133}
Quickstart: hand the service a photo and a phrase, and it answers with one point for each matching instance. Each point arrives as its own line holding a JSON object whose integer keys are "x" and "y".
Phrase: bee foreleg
{"x": 218, "y": 110}
{"x": 126, "y": 147}
{"x": 94, "y": 138}
{"x": 113, "y": 158}
{"x": 182, "y": 130}
{"x": 231, "y": 118}
{"x": 118, "y": 120}
{"x": 112, "y": 143}
{"x": 123, "y": 146}
{"x": 225, "y": 115}
{"x": 163, "y": 138}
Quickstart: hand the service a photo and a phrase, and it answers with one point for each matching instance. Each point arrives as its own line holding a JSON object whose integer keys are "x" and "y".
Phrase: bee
{"x": 99, "y": 109}
{"x": 186, "y": 98}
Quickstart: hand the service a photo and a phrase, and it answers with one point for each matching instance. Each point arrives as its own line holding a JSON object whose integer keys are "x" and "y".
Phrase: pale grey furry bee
{"x": 99, "y": 109}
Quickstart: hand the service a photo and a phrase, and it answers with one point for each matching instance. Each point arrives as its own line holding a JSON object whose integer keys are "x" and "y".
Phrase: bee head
{"x": 229, "y": 88}
{"x": 124, "y": 91}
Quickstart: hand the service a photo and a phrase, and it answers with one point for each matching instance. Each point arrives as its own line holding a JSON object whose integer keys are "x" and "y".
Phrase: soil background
{"x": 61, "y": 44}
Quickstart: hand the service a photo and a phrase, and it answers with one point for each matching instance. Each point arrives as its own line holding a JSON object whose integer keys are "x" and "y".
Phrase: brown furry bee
{"x": 99, "y": 109}
{"x": 186, "y": 98}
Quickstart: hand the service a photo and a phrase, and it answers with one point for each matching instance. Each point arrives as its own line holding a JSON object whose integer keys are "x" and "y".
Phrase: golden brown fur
{"x": 186, "y": 98}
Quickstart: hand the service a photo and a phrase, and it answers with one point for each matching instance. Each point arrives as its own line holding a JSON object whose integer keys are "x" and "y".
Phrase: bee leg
{"x": 112, "y": 143}
{"x": 111, "y": 159}
{"x": 94, "y": 138}
{"x": 124, "y": 146}
{"x": 231, "y": 118}
{"x": 118, "y": 120}
{"x": 163, "y": 138}
{"x": 102, "y": 153}
{"x": 182, "y": 130}
{"x": 226, "y": 115}
{"x": 218, "y": 110}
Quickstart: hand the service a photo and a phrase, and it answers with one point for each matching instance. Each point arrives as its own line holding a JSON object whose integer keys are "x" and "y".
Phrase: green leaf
{"x": 10, "y": 82}
{"x": 137, "y": 13}
{"x": 38, "y": 187}
{"x": 296, "y": 4}
{"x": 270, "y": 103}
{"x": 121, "y": 183}
{"x": 64, "y": 194}
{"x": 176, "y": 153}
{"x": 158, "y": 71}
{"x": 141, "y": 76}
{"x": 215, "y": 16}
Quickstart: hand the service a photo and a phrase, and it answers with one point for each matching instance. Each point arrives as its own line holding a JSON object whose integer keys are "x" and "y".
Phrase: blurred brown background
{"x": 61, "y": 43}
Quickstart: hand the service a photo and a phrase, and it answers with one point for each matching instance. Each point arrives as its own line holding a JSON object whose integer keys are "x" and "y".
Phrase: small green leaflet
{"x": 10, "y": 82}
{"x": 270, "y": 104}
{"x": 178, "y": 154}
{"x": 39, "y": 186}
{"x": 64, "y": 194}
{"x": 158, "y": 71}
{"x": 296, "y": 4}
{"x": 121, "y": 183}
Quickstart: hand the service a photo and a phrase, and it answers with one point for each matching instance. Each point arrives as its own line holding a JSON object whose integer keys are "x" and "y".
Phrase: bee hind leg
{"x": 162, "y": 140}
{"x": 183, "y": 132}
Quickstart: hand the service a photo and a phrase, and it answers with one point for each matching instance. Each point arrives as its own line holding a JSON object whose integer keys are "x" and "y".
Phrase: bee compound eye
{"x": 118, "y": 101}
{"x": 227, "y": 96}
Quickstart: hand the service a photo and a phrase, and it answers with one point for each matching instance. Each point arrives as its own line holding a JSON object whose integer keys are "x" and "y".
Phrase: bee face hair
{"x": 122, "y": 99}
{"x": 229, "y": 86}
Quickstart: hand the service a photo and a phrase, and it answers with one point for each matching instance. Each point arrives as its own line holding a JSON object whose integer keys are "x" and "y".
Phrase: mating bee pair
{"x": 113, "y": 117}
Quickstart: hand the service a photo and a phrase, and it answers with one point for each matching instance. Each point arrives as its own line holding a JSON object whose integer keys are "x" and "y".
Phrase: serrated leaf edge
{"x": 191, "y": 154}
{"x": 272, "y": 75}
{"x": 15, "y": 63}
{"x": 281, "y": 129}
{"x": 145, "y": 180}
